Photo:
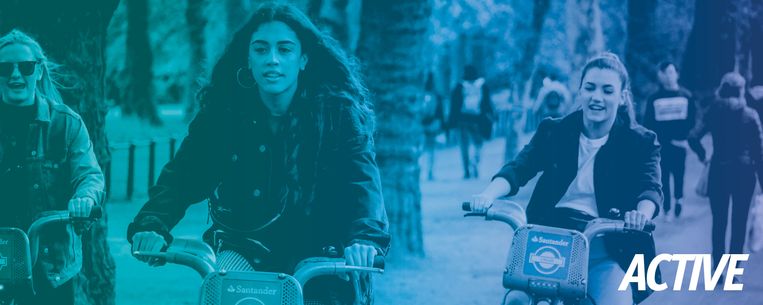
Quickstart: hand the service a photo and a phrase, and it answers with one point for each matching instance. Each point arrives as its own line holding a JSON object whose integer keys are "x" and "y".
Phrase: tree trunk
{"x": 756, "y": 49}
{"x": 710, "y": 50}
{"x": 614, "y": 22}
{"x": 139, "y": 64}
{"x": 585, "y": 33}
{"x": 197, "y": 22}
{"x": 73, "y": 34}
{"x": 393, "y": 54}
{"x": 657, "y": 31}
{"x": 524, "y": 39}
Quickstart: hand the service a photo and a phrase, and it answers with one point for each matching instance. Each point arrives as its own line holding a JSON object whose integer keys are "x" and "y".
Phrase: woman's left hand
{"x": 360, "y": 255}
{"x": 635, "y": 220}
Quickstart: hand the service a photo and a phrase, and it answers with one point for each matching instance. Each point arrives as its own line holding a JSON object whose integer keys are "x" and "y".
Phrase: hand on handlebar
{"x": 148, "y": 241}
{"x": 81, "y": 207}
{"x": 480, "y": 203}
{"x": 360, "y": 255}
{"x": 635, "y": 220}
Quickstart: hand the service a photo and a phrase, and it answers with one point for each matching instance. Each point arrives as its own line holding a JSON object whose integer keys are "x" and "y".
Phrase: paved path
{"x": 464, "y": 257}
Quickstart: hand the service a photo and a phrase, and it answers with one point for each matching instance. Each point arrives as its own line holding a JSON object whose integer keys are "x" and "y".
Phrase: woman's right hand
{"x": 481, "y": 202}
{"x": 148, "y": 241}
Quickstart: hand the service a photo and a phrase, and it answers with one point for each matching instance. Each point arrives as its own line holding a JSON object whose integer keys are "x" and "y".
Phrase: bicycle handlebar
{"x": 62, "y": 216}
{"x": 314, "y": 267}
{"x": 198, "y": 264}
{"x": 508, "y": 212}
{"x": 512, "y": 214}
{"x": 200, "y": 257}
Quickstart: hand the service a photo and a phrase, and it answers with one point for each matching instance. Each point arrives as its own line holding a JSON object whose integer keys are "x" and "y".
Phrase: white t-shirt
{"x": 580, "y": 195}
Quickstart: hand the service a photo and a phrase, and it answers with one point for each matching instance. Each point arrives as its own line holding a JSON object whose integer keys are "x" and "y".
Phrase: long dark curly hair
{"x": 330, "y": 76}
{"x": 329, "y": 91}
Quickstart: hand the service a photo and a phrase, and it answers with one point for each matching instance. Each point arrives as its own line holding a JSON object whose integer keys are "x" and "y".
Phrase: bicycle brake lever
{"x": 474, "y": 214}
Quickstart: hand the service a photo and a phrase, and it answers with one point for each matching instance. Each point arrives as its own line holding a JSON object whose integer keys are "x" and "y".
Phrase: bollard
{"x": 151, "y": 162}
{"x": 107, "y": 177}
{"x": 130, "y": 171}
{"x": 172, "y": 148}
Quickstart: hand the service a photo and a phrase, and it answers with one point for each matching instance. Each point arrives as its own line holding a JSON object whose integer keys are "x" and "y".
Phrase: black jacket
{"x": 737, "y": 138}
{"x": 626, "y": 171}
{"x": 675, "y": 129}
{"x": 323, "y": 182}
{"x": 484, "y": 120}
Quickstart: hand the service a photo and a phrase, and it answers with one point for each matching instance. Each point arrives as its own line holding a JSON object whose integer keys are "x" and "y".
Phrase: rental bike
{"x": 19, "y": 251}
{"x": 548, "y": 264}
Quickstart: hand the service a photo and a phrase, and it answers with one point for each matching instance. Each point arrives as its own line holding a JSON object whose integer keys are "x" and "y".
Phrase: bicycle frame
{"x": 549, "y": 264}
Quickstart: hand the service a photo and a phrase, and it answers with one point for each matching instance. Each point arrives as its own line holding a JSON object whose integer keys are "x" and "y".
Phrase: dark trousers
{"x": 62, "y": 295}
{"x": 470, "y": 135}
{"x": 673, "y": 164}
{"x": 429, "y": 150}
{"x": 737, "y": 183}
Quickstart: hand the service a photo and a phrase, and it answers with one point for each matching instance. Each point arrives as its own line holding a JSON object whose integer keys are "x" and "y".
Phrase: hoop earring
{"x": 240, "y": 83}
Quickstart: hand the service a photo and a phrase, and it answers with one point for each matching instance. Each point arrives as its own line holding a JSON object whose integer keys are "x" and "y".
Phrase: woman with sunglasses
{"x": 283, "y": 149}
{"x": 46, "y": 163}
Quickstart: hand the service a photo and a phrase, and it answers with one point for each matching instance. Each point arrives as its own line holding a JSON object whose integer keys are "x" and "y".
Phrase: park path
{"x": 464, "y": 257}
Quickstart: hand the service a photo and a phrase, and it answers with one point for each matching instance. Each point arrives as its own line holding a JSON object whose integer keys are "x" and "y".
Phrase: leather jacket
{"x": 296, "y": 190}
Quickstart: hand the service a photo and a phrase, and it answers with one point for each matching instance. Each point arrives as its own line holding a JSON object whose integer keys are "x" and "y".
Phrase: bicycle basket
{"x": 15, "y": 261}
{"x": 548, "y": 261}
{"x": 250, "y": 288}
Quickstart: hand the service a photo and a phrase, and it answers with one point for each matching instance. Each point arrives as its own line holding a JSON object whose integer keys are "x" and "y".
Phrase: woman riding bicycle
{"x": 283, "y": 149}
{"x": 594, "y": 160}
{"x": 46, "y": 164}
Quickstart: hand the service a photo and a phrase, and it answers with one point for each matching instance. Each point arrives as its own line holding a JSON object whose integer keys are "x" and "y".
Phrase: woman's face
{"x": 275, "y": 58}
{"x": 600, "y": 95}
{"x": 19, "y": 74}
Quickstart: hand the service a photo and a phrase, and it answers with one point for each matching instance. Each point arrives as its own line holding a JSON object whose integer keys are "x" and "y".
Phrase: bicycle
{"x": 548, "y": 264}
{"x": 236, "y": 287}
{"x": 19, "y": 251}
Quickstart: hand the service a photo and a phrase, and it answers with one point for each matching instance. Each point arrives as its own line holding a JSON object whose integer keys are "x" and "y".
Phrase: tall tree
{"x": 614, "y": 22}
{"x": 139, "y": 64}
{"x": 711, "y": 47}
{"x": 196, "y": 20}
{"x": 756, "y": 49}
{"x": 585, "y": 32}
{"x": 524, "y": 40}
{"x": 657, "y": 31}
{"x": 338, "y": 18}
{"x": 393, "y": 54}
{"x": 74, "y": 33}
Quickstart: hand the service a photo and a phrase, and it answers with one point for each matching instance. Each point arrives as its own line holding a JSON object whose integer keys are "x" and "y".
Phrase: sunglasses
{"x": 26, "y": 68}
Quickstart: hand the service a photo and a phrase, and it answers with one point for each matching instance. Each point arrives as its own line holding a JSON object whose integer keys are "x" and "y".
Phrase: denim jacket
{"x": 60, "y": 165}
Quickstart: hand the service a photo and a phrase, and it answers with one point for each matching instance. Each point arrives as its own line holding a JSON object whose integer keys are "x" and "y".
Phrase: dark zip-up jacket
{"x": 737, "y": 138}
{"x": 295, "y": 191}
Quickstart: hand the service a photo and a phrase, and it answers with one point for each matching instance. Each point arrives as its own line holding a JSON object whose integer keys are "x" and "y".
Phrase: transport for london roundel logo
{"x": 547, "y": 260}
{"x": 547, "y": 255}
